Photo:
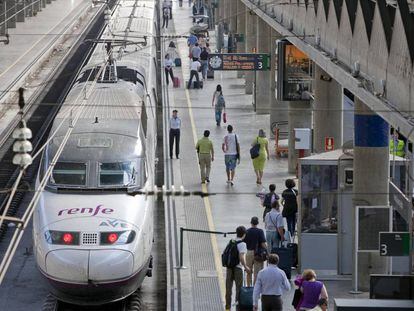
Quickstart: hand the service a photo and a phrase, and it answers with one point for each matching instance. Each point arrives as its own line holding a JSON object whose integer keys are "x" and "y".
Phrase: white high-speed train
{"x": 92, "y": 240}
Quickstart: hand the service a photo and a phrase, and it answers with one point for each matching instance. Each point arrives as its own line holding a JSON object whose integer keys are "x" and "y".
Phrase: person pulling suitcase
{"x": 270, "y": 285}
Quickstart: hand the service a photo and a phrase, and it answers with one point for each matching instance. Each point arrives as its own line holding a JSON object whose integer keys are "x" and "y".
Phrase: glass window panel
{"x": 319, "y": 185}
{"x": 117, "y": 173}
{"x": 69, "y": 173}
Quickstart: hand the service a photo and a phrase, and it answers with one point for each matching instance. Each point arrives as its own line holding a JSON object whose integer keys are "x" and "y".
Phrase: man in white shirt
{"x": 175, "y": 126}
{"x": 231, "y": 149}
{"x": 270, "y": 284}
{"x": 236, "y": 274}
{"x": 195, "y": 67}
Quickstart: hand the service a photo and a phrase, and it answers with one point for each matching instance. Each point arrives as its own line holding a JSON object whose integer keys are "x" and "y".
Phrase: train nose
{"x": 83, "y": 266}
{"x": 110, "y": 265}
{"x": 68, "y": 264}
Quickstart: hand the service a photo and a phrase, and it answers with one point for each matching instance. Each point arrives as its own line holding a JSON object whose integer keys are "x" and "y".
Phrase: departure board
{"x": 239, "y": 61}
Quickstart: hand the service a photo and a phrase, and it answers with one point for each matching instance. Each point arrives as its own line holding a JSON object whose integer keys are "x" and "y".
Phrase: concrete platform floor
{"x": 231, "y": 206}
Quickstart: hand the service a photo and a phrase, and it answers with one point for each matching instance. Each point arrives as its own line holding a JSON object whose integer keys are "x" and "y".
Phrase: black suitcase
{"x": 198, "y": 85}
{"x": 285, "y": 259}
{"x": 210, "y": 74}
{"x": 294, "y": 247}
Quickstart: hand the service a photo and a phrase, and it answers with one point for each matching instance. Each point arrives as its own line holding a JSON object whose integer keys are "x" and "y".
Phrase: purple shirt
{"x": 311, "y": 293}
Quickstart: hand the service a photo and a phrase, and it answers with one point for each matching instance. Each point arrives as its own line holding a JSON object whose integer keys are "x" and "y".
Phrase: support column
{"x": 232, "y": 14}
{"x": 19, "y": 8}
{"x": 299, "y": 116}
{"x": 278, "y": 109}
{"x": 371, "y": 171}
{"x": 241, "y": 29}
{"x": 263, "y": 92}
{"x": 43, "y": 3}
{"x": 327, "y": 110}
{"x": 251, "y": 27}
{"x": 10, "y": 11}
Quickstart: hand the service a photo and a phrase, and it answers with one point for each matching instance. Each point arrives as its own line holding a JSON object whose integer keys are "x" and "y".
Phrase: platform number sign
{"x": 239, "y": 61}
{"x": 394, "y": 243}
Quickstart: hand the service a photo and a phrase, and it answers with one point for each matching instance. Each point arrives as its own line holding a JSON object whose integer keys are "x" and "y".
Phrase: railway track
{"x": 42, "y": 113}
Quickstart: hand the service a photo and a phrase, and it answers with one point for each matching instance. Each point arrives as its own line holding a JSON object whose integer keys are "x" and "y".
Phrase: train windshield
{"x": 118, "y": 173}
{"x": 69, "y": 173}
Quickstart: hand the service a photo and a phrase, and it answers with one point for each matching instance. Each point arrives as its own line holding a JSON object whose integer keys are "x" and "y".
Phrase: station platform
{"x": 200, "y": 285}
{"x": 29, "y": 57}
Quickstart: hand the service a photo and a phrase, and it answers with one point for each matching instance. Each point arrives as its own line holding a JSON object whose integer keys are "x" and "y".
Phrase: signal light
{"x": 117, "y": 238}
{"x": 112, "y": 237}
{"x": 67, "y": 238}
{"x": 62, "y": 237}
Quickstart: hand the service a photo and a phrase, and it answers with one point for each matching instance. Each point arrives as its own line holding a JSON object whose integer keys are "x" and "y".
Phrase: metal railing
{"x": 181, "y": 266}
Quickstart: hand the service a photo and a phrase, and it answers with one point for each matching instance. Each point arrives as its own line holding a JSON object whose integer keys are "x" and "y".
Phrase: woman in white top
{"x": 168, "y": 64}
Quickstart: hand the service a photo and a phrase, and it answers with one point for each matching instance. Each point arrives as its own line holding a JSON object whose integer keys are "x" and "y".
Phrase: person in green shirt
{"x": 397, "y": 145}
{"x": 205, "y": 152}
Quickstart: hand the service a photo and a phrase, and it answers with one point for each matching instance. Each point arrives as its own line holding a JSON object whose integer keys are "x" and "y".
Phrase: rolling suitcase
{"x": 198, "y": 85}
{"x": 285, "y": 259}
{"x": 176, "y": 82}
{"x": 245, "y": 296}
{"x": 210, "y": 74}
{"x": 177, "y": 62}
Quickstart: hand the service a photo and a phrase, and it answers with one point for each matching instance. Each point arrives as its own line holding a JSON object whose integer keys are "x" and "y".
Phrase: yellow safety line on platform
{"x": 209, "y": 214}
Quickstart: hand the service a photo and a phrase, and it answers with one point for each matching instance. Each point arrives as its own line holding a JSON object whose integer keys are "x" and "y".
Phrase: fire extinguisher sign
{"x": 329, "y": 143}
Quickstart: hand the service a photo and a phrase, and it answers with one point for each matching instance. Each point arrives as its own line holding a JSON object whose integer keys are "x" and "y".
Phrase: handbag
{"x": 255, "y": 150}
{"x": 224, "y": 117}
{"x": 296, "y": 297}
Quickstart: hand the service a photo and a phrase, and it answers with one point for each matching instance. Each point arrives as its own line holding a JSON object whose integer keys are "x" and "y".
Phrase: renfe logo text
{"x": 86, "y": 211}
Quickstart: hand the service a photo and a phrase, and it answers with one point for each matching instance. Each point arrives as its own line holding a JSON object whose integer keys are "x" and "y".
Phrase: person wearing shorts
{"x": 231, "y": 149}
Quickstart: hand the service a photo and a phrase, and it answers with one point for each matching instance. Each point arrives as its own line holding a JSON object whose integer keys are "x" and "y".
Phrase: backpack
{"x": 267, "y": 202}
{"x": 230, "y": 256}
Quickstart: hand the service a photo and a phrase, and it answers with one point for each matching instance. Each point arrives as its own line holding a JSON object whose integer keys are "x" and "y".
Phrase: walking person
{"x": 274, "y": 227}
{"x": 195, "y": 67}
{"x": 168, "y": 64}
{"x": 218, "y": 103}
{"x": 175, "y": 126}
{"x": 290, "y": 205}
{"x": 260, "y": 161}
{"x": 196, "y": 52}
{"x": 269, "y": 198}
{"x": 205, "y": 152}
{"x": 165, "y": 17}
{"x": 169, "y": 6}
{"x": 256, "y": 242}
{"x": 270, "y": 285}
{"x": 231, "y": 149}
{"x": 191, "y": 41}
{"x": 204, "y": 63}
{"x": 312, "y": 290}
{"x": 235, "y": 274}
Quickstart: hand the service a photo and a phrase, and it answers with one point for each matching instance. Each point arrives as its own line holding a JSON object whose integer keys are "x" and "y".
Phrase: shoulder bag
{"x": 255, "y": 150}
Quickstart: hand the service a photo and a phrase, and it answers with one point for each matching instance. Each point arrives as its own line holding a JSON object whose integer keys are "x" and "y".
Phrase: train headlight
{"x": 117, "y": 237}
{"x": 62, "y": 237}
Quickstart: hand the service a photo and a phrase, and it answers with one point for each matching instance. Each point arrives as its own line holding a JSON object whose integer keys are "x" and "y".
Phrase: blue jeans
{"x": 272, "y": 240}
{"x": 204, "y": 68}
{"x": 218, "y": 116}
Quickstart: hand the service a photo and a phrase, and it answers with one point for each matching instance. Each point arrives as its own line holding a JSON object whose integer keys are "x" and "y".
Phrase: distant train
{"x": 92, "y": 240}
